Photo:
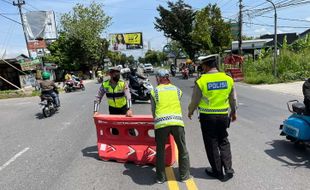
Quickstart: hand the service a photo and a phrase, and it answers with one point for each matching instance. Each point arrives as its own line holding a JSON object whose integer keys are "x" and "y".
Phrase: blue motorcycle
{"x": 297, "y": 127}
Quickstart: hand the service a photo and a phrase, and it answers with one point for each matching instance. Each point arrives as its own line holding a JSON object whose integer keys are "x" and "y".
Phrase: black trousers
{"x": 214, "y": 132}
{"x": 120, "y": 111}
{"x": 161, "y": 137}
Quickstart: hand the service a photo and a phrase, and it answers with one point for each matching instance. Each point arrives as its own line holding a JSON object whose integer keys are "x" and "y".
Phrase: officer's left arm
{"x": 153, "y": 106}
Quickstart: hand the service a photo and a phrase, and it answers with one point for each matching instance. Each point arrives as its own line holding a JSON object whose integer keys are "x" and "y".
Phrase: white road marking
{"x": 14, "y": 158}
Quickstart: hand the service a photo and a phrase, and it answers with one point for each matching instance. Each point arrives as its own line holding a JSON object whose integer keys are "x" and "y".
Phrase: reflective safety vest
{"x": 116, "y": 96}
{"x": 168, "y": 110}
{"x": 215, "y": 88}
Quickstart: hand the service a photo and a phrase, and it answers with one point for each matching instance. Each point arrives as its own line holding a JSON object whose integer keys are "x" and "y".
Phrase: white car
{"x": 148, "y": 68}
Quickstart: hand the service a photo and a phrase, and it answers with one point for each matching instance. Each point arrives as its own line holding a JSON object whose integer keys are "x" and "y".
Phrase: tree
{"x": 82, "y": 29}
{"x": 141, "y": 60}
{"x": 210, "y": 30}
{"x": 177, "y": 22}
{"x": 130, "y": 59}
{"x": 151, "y": 57}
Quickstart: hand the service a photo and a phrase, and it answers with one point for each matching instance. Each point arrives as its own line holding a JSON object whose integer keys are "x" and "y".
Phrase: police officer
{"x": 167, "y": 112}
{"x": 117, "y": 93}
{"x": 213, "y": 94}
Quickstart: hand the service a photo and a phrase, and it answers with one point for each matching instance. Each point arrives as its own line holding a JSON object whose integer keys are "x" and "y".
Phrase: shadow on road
{"x": 142, "y": 175}
{"x": 200, "y": 173}
{"x": 39, "y": 116}
{"x": 289, "y": 154}
{"x": 91, "y": 152}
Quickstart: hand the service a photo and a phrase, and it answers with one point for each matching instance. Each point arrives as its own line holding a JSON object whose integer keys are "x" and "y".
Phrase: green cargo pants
{"x": 161, "y": 137}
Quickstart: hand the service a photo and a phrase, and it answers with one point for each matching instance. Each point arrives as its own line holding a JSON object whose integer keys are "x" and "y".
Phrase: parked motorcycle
{"x": 185, "y": 73}
{"x": 143, "y": 93}
{"x": 47, "y": 105}
{"x": 297, "y": 127}
{"x": 73, "y": 85}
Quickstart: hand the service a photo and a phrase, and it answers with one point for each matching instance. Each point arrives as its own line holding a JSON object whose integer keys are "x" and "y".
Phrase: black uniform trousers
{"x": 214, "y": 132}
{"x": 120, "y": 111}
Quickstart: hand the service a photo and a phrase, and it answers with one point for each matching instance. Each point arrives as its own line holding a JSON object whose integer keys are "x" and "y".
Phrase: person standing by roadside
{"x": 167, "y": 113}
{"x": 213, "y": 94}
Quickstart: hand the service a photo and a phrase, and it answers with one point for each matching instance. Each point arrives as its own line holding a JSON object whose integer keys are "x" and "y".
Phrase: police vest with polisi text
{"x": 116, "y": 96}
{"x": 168, "y": 110}
{"x": 215, "y": 88}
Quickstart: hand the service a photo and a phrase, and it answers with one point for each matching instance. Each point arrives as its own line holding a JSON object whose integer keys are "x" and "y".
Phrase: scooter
{"x": 73, "y": 85}
{"x": 173, "y": 71}
{"x": 142, "y": 94}
{"x": 47, "y": 105}
{"x": 297, "y": 127}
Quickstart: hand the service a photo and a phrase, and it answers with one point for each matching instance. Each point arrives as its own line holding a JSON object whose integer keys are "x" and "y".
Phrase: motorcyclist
{"x": 306, "y": 93}
{"x": 134, "y": 79}
{"x": 48, "y": 87}
{"x": 173, "y": 69}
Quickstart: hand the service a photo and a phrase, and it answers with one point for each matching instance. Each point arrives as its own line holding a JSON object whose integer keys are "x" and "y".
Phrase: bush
{"x": 291, "y": 66}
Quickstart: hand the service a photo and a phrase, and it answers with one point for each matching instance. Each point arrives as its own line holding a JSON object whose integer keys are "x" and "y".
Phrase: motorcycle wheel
{"x": 46, "y": 112}
{"x": 82, "y": 87}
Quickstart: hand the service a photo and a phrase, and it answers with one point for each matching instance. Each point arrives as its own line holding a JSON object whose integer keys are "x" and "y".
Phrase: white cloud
{"x": 308, "y": 18}
{"x": 261, "y": 31}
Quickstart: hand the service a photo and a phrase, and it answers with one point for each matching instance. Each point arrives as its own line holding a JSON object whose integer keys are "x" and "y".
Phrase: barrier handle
{"x": 96, "y": 106}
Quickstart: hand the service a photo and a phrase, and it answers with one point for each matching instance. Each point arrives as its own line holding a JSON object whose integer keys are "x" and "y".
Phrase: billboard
{"x": 126, "y": 41}
{"x": 40, "y": 25}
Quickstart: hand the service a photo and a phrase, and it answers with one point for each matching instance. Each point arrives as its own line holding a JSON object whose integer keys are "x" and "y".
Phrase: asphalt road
{"x": 60, "y": 152}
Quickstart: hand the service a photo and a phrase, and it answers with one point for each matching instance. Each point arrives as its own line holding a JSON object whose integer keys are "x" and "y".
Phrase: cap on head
{"x": 210, "y": 60}
{"x": 162, "y": 73}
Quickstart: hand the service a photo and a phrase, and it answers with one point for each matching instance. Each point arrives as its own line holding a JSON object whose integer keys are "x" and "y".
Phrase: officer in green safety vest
{"x": 167, "y": 113}
{"x": 117, "y": 92}
{"x": 213, "y": 95}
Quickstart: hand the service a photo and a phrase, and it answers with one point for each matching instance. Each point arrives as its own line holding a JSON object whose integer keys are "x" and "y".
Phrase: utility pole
{"x": 240, "y": 28}
{"x": 275, "y": 40}
{"x": 19, "y": 4}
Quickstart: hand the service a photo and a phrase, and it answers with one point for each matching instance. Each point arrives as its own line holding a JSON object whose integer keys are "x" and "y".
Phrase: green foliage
{"x": 210, "y": 30}
{"x": 177, "y": 23}
{"x": 301, "y": 44}
{"x": 80, "y": 44}
{"x": 291, "y": 66}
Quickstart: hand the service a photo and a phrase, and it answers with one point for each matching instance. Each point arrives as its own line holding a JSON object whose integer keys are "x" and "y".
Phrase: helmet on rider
{"x": 189, "y": 61}
{"x": 46, "y": 75}
{"x": 162, "y": 73}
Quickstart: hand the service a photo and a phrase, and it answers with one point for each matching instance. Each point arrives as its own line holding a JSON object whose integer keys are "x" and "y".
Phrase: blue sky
{"x": 138, "y": 16}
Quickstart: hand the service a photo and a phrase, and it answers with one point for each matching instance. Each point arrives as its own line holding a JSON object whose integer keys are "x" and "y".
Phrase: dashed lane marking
{"x": 14, "y": 158}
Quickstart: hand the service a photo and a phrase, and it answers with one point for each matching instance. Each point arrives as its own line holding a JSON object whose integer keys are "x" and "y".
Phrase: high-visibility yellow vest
{"x": 116, "y": 96}
{"x": 168, "y": 110}
{"x": 215, "y": 88}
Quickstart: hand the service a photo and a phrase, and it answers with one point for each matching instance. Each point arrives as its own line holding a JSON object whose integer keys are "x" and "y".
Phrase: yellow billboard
{"x": 126, "y": 41}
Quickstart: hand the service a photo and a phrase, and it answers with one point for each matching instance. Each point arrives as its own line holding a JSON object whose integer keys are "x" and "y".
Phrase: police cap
{"x": 210, "y": 60}
{"x": 162, "y": 73}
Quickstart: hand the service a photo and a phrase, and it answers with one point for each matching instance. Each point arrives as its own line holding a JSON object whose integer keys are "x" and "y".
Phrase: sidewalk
{"x": 293, "y": 88}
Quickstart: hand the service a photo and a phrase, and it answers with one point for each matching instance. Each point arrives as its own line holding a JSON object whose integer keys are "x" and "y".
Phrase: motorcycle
{"x": 297, "y": 127}
{"x": 47, "y": 105}
{"x": 185, "y": 73}
{"x": 143, "y": 93}
{"x": 73, "y": 85}
{"x": 173, "y": 71}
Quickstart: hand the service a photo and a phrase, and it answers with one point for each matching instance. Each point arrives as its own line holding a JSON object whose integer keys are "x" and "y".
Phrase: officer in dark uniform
{"x": 213, "y": 94}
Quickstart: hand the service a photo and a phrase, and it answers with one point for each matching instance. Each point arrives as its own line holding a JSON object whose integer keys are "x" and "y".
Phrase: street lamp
{"x": 275, "y": 39}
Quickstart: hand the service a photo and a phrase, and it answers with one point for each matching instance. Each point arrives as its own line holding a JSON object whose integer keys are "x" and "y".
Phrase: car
{"x": 148, "y": 68}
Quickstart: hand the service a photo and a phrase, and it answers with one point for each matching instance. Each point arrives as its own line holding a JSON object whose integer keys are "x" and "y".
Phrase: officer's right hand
{"x": 190, "y": 116}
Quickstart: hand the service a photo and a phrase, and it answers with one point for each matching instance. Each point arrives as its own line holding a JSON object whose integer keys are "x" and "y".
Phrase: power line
{"x": 270, "y": 25}
{"x": 288, "y": 19}
{"x": 6, "y": 1}
{"x": 10, "y": 19}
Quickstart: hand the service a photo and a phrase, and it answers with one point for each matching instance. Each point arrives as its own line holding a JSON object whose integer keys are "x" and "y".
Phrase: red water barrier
{"x": 138, "y": 147}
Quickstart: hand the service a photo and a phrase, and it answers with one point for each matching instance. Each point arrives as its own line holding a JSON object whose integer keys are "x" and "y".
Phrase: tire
{"x": 46, "y": 112}
{"x": 82, "y": 87}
